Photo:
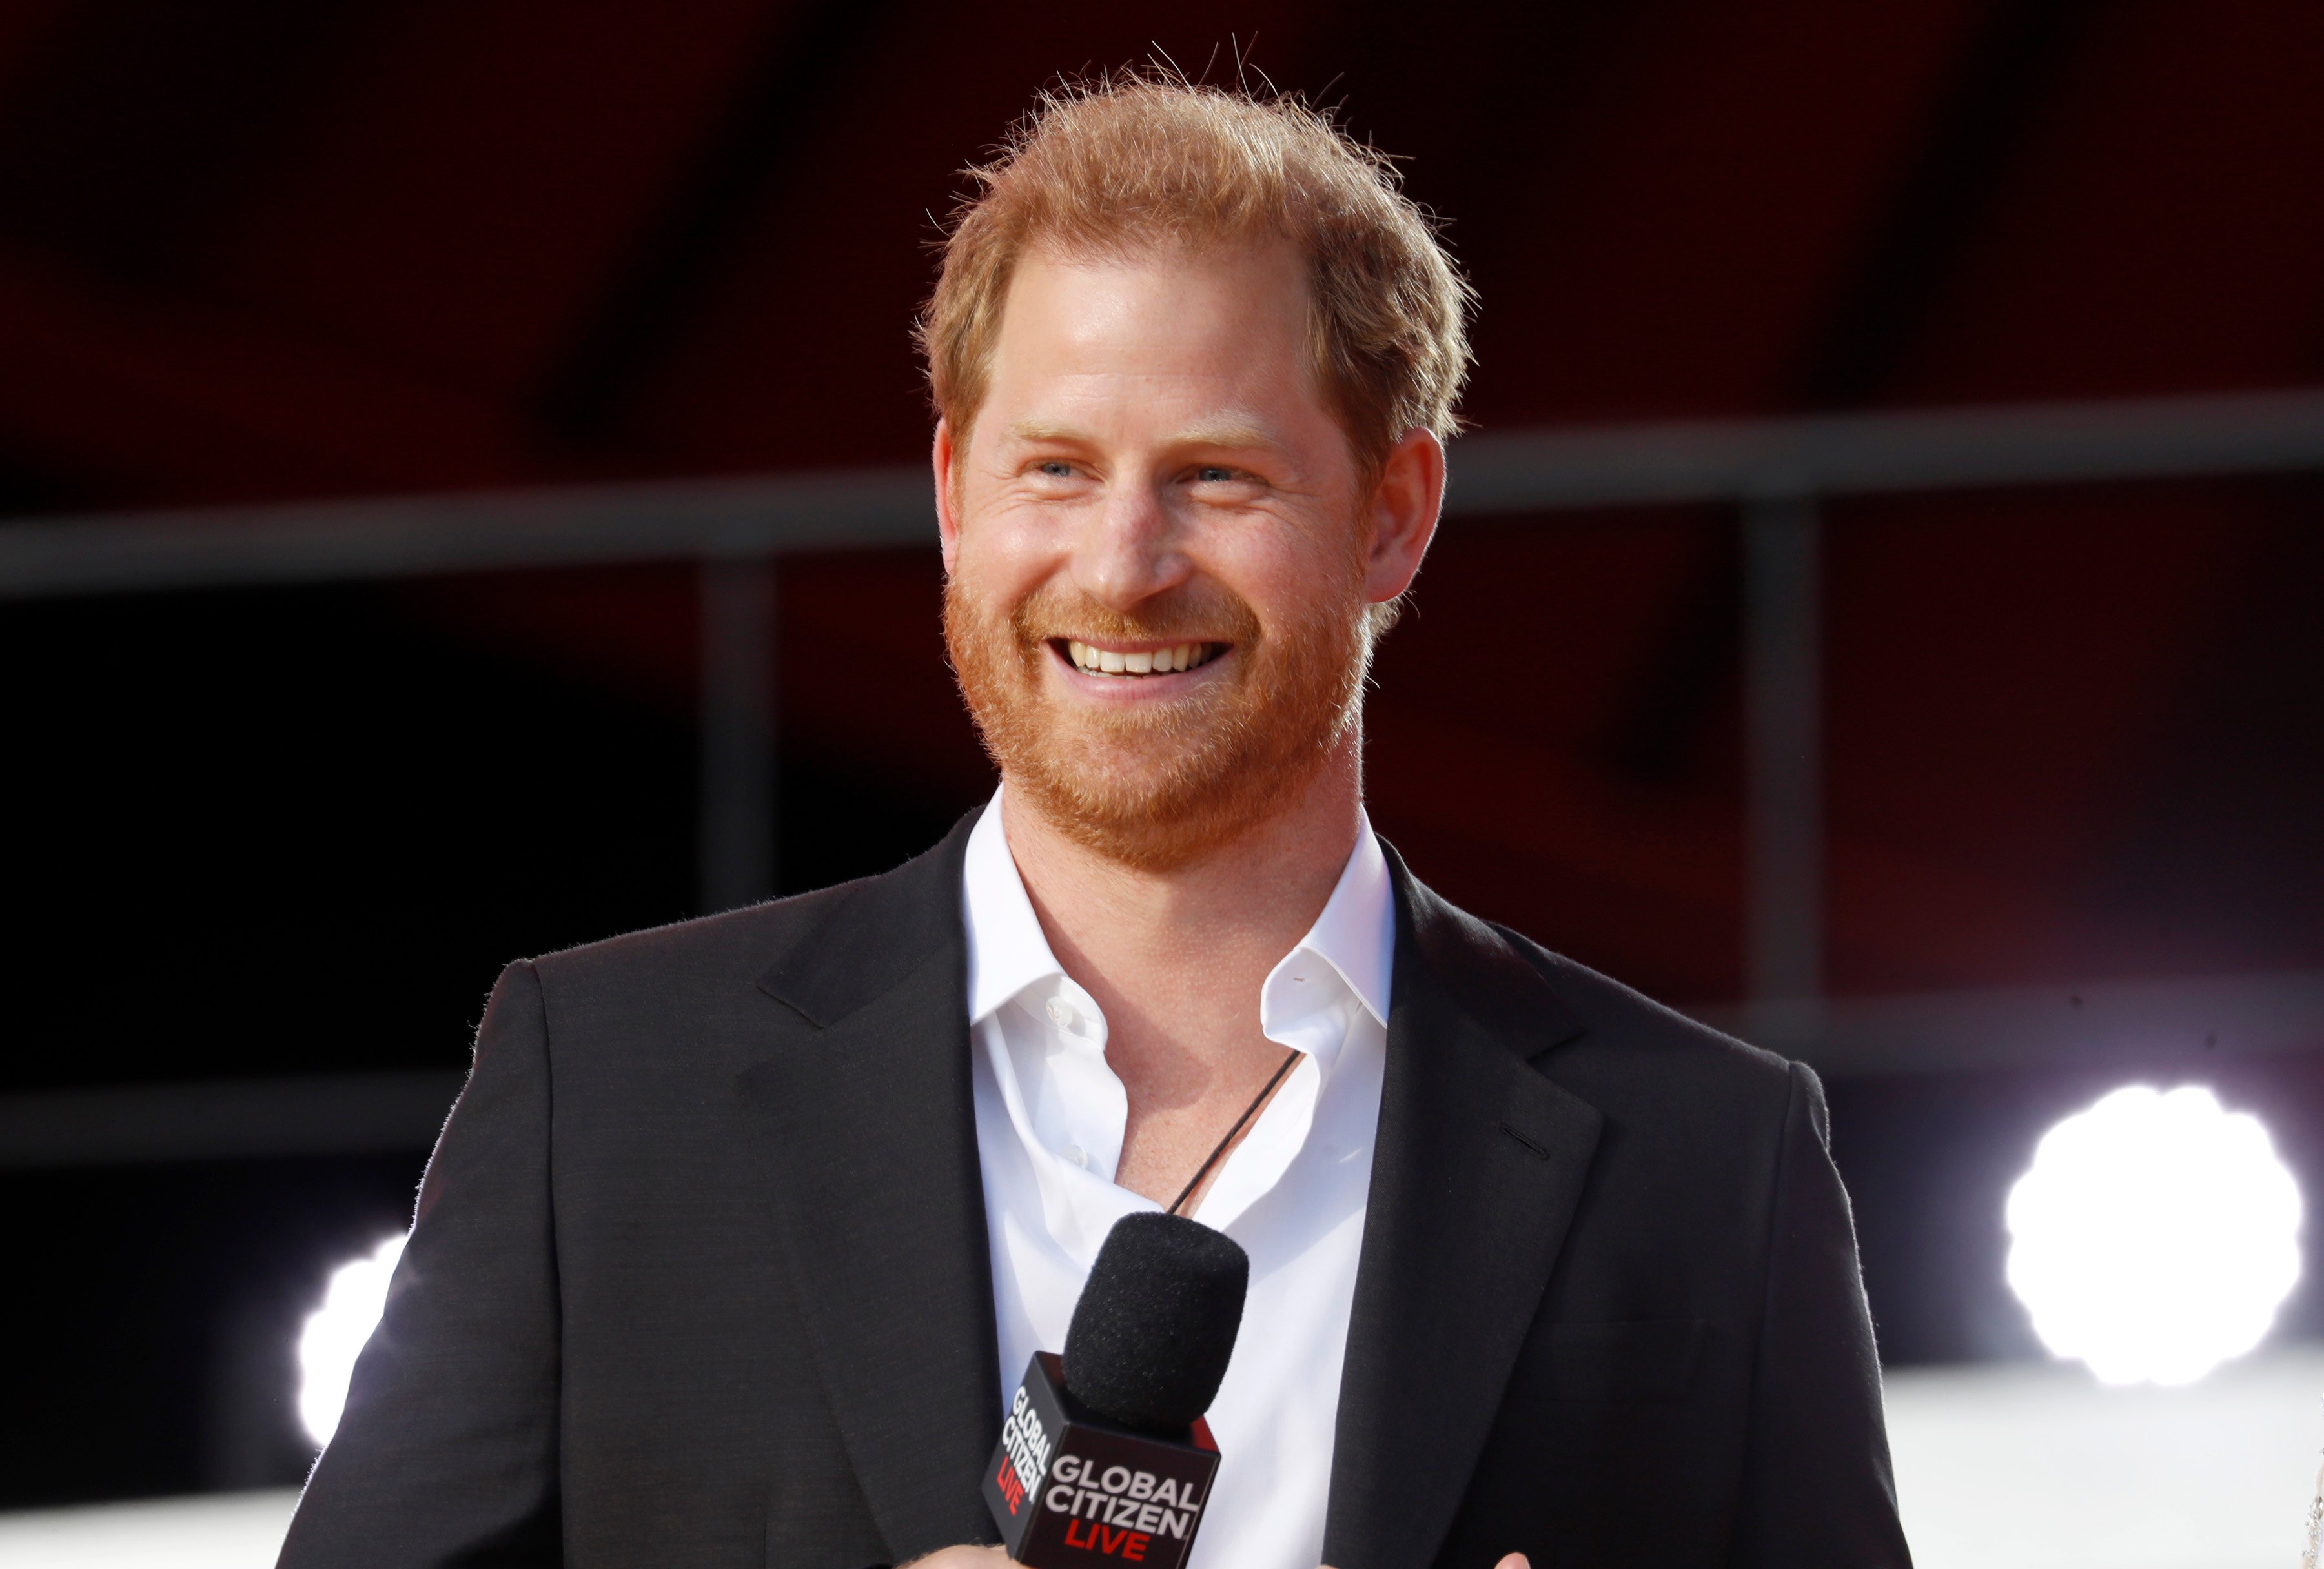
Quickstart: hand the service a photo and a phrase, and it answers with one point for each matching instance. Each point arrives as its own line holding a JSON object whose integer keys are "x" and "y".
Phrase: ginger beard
{"x": 1158, "y": 786}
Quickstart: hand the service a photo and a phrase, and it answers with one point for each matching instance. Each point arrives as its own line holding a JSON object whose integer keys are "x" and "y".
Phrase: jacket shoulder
{"x": 1620, "y": 1011}
{"x": 1555, "y": 1011}
{"x": 1636, "y": 1058}
{"x": 815, "y": 951}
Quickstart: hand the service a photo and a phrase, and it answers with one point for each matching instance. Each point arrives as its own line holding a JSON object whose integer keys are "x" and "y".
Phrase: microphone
{"x": 1105, "y": 1458}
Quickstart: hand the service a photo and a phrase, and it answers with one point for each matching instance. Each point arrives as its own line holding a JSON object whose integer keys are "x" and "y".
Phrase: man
{"x": 744, "y": 1229}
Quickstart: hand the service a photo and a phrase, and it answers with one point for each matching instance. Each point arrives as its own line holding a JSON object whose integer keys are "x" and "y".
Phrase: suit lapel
{"x": 867, "y": 1132}
{"x": 1477, "y": 1167}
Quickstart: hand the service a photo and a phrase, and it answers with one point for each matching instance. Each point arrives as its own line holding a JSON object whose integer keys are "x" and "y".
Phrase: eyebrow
{"x": 1230, "y": 434}
{"x": 1041, "y": 430}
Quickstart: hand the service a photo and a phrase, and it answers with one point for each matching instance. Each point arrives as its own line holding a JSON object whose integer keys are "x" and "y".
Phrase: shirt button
{"x": 1060, "y": 1015}
{"x": 1076, "y": 1154}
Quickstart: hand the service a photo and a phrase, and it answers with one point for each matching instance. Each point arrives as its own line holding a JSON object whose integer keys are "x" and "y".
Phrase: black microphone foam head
{"x": 1155, "y": 1326}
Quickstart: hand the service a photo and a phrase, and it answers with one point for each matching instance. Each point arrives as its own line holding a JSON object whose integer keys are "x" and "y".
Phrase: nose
{"x": 1126, "y": 552}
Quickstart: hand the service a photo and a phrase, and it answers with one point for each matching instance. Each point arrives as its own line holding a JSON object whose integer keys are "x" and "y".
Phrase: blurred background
{"x": 460, "y": 465}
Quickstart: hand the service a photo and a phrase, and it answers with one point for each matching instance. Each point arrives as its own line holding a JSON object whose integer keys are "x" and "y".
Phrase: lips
{"x": 1093, "y": 660}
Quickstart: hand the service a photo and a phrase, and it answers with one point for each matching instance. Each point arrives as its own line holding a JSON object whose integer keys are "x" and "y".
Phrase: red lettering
{"x": 1093, "y": 1535}
{"x": 1012, "y": 1487}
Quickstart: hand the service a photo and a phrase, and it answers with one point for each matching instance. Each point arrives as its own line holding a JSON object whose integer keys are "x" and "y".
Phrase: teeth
{"x": 1155, "y": 662}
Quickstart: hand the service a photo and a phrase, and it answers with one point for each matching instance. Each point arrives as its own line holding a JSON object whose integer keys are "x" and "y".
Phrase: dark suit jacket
{"x": 699, "y": 1274}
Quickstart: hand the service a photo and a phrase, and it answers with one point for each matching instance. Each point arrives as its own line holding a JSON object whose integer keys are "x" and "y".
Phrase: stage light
{"x": 335, "y": 1334}
{"x": 2154, "y": 1236}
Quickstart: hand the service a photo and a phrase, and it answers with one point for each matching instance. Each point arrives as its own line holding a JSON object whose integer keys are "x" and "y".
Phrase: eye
{"x": 1214, "y": 474}
{"x": 1057, "y": 469}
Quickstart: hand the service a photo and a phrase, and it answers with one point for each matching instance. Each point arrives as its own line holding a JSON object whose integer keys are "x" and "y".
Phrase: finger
{"x": 1513, "y": 1561}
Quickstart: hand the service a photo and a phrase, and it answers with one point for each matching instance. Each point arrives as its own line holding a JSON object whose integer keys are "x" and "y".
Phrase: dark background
{"x": 252, "y": 250}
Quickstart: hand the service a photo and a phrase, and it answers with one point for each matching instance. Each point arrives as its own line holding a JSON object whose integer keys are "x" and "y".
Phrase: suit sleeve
{"x": 447, "y": 1452}
{"x": 1817, "y": 1487}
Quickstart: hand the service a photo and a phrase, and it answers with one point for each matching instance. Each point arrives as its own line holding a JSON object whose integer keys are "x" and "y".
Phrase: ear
{"x": 1404, "y": 511}
{"x": 944, "y": 458}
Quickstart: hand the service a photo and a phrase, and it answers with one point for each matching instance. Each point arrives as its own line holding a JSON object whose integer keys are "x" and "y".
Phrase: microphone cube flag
{"x": 1070, "y": 1488}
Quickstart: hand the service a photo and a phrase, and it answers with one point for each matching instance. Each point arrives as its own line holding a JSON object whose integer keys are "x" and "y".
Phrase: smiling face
{"x": 1161, "y": 549}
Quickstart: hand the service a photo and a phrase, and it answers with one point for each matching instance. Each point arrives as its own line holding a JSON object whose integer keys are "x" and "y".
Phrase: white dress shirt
{"x": 1049, "y": 1121}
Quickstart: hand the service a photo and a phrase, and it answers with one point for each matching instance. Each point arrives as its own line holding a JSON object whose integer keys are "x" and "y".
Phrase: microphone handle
{"x": 1070, "y": 1490}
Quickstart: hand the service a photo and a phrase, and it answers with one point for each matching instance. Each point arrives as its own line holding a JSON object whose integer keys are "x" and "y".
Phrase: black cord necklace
{"x": 1290, "y": 1056}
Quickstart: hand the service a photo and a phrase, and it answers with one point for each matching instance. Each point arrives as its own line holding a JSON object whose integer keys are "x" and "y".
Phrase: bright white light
{"x": 2155, "y": 1236}
{"x": 335, "y": 1335}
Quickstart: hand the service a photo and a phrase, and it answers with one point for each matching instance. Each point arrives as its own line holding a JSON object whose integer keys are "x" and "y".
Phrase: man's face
{"x": 1158, "y": 543}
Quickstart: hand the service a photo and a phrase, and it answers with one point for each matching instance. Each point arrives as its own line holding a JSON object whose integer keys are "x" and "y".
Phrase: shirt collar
{"x": 1356, "y": 933}
{"x": 1007, "y": 950}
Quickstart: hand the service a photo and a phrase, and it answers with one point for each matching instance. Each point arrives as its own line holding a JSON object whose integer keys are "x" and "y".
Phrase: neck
{"x": 1177, "y": 959}
{"x": 1243, "y": 905}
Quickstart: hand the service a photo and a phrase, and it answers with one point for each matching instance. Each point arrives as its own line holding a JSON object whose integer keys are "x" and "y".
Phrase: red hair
{"x": 1133, "y": 162}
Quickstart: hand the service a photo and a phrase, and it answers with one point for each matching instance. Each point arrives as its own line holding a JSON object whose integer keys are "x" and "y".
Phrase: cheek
{"x": 1287, "y": 576}
{"x": 1000, "y": 557}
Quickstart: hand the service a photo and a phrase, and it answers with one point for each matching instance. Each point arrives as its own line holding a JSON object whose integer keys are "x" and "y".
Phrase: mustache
{"x": 1194, "y": 614}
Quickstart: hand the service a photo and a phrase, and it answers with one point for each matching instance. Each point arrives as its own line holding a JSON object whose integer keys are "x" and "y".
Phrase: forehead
{"x": 1221, "y": 326}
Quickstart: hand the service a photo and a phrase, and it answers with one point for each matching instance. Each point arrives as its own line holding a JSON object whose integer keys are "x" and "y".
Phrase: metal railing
{"x": 1774, "y": 472}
